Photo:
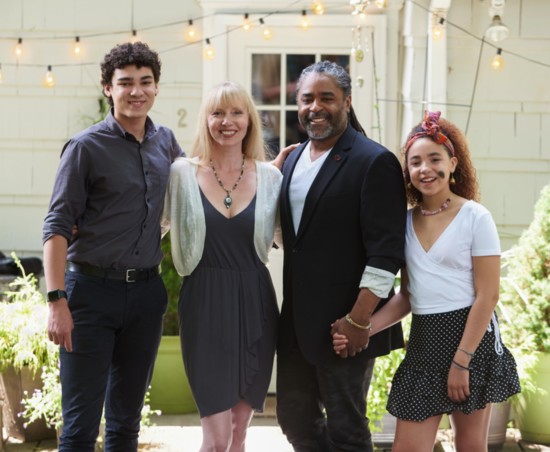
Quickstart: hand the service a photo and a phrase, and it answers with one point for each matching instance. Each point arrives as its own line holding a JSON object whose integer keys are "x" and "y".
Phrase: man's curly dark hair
{"x": 137, "y": 53}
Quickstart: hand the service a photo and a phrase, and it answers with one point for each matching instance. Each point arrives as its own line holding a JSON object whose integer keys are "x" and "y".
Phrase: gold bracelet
{"x": 357, "y": 325}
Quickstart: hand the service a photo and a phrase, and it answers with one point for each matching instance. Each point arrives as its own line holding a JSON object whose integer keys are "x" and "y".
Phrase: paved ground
{"x": 181, "y": 433}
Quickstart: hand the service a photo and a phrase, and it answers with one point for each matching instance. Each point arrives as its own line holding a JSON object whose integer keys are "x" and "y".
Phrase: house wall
{"x": 509, "y": 121}
{"x": 35, "y": 121}
{"x": 508, "y": 125}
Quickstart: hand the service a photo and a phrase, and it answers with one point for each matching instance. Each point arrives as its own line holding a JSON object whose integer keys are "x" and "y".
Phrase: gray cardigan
{"x": 184, "y": 213}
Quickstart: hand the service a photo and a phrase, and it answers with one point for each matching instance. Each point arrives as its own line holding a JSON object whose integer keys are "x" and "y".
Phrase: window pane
{"x": 294, "y": 66}
{"x": 266, "y": 79}
{"x": 342, "y": 60}
{"x": 294, "y": 131}
{"x": 271, "y": 121}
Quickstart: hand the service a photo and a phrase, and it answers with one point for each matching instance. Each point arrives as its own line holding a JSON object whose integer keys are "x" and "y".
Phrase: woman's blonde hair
{"x": 225, "y": 95}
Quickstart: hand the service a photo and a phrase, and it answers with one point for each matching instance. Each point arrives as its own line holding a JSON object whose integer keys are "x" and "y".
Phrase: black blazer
{"x": 354, "y": 215}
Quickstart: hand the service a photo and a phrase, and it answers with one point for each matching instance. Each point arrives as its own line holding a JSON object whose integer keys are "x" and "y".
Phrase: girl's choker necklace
{"x": 427, "y": 213}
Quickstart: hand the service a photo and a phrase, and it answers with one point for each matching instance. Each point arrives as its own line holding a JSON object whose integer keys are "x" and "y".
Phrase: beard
{"x": 333, "y": 126}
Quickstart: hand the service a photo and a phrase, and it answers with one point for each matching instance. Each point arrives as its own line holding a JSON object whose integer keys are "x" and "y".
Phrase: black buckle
{"x": 130, "y": 275}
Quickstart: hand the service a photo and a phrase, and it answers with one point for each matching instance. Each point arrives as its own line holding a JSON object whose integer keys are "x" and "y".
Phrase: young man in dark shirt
{"x": 105, "y": 295}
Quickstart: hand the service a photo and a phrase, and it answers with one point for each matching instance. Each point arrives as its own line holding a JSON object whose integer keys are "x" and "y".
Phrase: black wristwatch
{"x": 55, "y": 295}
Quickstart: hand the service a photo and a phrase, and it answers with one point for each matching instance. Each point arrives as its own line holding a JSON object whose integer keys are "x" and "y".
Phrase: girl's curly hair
{"x": 466, "y": 184}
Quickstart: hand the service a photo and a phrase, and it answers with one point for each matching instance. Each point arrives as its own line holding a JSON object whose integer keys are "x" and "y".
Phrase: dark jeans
{"x": 340, "y": 387}
{"x": 117, "y": 329}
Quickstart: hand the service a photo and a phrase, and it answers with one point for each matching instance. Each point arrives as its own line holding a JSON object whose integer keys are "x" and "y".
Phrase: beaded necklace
{"x": 428, "y": 213}
{"x": 227, "y": 200}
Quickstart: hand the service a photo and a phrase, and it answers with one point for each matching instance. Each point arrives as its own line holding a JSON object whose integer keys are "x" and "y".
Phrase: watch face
{"x": 55, "y": 295}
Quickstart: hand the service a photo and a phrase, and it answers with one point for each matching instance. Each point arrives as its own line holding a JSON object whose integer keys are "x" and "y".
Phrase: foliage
{"x": 44, "y": 403}
{"x": 172, "y": 281}
{"x": 525, "y": 293}
{"x": 384, "y": 370}
{"x": 525, "y": 290}
{"x": 23, "y": 333}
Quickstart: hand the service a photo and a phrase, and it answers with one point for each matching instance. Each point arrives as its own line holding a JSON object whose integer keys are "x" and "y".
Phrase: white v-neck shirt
{"x": 441, "y": 279}
{"x": 303, "y": 176}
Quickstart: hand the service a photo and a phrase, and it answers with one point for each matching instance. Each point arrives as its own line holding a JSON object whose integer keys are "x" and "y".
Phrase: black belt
{"x": 129, "y": 275}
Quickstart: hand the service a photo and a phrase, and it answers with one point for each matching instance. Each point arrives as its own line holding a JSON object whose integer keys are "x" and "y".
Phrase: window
{"x": 273, "y": 84}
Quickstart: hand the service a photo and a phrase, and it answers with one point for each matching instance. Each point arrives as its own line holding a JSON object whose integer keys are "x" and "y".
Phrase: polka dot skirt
{"x": 419, "y": 387}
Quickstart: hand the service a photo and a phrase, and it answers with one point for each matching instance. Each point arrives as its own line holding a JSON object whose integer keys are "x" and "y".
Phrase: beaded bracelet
{"x": 470, "y": 354}
{"x": 357, "y": 325}
{"x": 460, "y": 366}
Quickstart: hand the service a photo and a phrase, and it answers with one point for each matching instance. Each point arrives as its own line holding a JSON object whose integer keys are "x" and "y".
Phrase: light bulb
{"x": 134, "y": 37}
{"x": 380, "y": 3}
{"x": 497, "y": 31}
{"x": 318, "y": 7}
{"x": 191, "y": 33}
{"x": 305, "y": 20}
{"x": 18, "y": 48}
{"x": 247, "y": 25}
{"x": 77, "y": 49}
{"x": 497, "y": 63}
{"x": 209, "y": 51}
{"x": 49, "y": 78}
{"x": 438, "y": 31}
{"x": 267, "y": 34}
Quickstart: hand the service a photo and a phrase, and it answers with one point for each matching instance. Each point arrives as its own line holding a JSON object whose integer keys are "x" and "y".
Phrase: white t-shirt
{"x": 303, "y": 176}
{"x": 441, "y": 279}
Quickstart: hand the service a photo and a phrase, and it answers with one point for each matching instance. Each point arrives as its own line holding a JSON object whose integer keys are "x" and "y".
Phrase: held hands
{"x": 348, "y": 340}
{"x": 60, "y": 324}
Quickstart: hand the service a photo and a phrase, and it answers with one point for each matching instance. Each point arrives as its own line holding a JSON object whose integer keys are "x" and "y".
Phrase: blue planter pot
{"x": 170, "y": 392}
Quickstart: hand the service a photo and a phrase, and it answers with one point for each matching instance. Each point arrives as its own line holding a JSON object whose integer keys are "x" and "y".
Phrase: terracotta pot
{"x": 12, "y": 387}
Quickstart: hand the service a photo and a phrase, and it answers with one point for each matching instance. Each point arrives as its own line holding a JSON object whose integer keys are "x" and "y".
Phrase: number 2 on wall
{"x": 182, "y": 113}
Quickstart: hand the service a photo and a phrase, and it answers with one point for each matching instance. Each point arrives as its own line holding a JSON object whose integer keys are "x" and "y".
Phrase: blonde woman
{"x": 223, "y": 207}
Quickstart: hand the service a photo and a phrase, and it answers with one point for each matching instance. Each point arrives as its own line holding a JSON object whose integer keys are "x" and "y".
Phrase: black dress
{"x": 228, "y": 316}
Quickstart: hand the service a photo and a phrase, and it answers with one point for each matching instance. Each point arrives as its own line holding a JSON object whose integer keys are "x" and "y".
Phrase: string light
{"x": 318, "y": 7}
{"x": 438, "y": 30}
{"x": 497, "y": 31}
{"x": 18, "y": 48}
{"x": 305, "y": 20}
{"x": 77, "y": 49}
{"x": 358, "y": 47}
{"x": 497, "y": 63}
{"x": 247, "y": 25}
{"x": 380, "y": 4}
{"x": 191, "y": 33}
{"x": 266, "y": 32}
{"x": 134, "y": 37}
{"x": 49, "y": 78}
{"x": 209, "y": 51}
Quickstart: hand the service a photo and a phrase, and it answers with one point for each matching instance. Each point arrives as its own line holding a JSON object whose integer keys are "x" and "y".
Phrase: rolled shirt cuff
{"x": 379, "y": 282}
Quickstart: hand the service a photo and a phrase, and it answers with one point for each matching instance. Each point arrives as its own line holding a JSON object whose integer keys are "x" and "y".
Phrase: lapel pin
{"x": 337, "y": 157}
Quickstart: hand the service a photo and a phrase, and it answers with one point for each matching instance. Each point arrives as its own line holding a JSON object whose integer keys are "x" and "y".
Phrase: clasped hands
{"x": 348, "y": 340}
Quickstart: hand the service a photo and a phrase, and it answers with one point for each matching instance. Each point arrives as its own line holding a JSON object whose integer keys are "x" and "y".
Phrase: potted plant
{"x": 24, "y": 351}
{"x": 525, "y": 307}
{"x": 170, "y": 391}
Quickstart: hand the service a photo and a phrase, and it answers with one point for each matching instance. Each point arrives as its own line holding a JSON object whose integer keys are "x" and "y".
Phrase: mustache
{"x": 312, "y": 116}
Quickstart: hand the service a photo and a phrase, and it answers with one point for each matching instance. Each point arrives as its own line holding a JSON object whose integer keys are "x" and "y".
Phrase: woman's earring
{"x": 409, "y": 185}
{"x": 452, "y": 181}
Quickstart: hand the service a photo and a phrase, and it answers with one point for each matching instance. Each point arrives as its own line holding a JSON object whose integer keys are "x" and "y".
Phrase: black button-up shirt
{"x": 112, "y": 188}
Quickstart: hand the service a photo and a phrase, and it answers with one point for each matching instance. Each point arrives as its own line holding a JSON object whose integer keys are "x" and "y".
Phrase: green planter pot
{"x": 533, "y": 410}
{"x": 170, "y": 392}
